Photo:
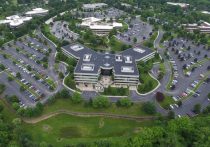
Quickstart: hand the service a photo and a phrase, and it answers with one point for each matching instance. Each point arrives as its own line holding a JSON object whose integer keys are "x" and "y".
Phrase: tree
{"x": 64, "y": 94}
{"x": 18, "y": 75}
{"x": 2, "y": 67}
{"x": 205, "y": 56}
{"x": 16, "y": 121}
{"x": 209, "y": 95}
{"x": 134, "y": 40}
{"x": 22, "y": 88}
{"x": 197, "y": 108}
{"x": 206, "y": 110}
{"x": 160, "y": 96}
{"x": 171, "y": 115}
{"x": 179, "y": 103}
{"x": 9, "y": 78}
{"x": 124, "y": 102}
{"x": 149, "y": 108}
{"x": 12, "y": 99}
{"x": 2, "y": 88}
{"x": 76, "y": 98}
{"x": 15, "y": 106}
{"x": 1, "y": 108}
{"x": 101, "y": 102}
{"x": 61, "y": 76}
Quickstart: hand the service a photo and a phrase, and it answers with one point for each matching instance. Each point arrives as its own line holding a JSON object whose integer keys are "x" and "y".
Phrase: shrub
{"x": 76, "y": 98}
{"x": 1, "y": 108}
{"x": 64, "y": 94}
{"x": 101, "y": 102}
{"x": 9, "y": 78}
{"x": 2, "y": 88}
{"x": 160, "y": 96}
{"x": 124, "y": 102}
{"x": 197, "y": 108}
{"x": 179, "y": 103}
{"x": 149, "y": 108}
{"x": 171, "y": 115}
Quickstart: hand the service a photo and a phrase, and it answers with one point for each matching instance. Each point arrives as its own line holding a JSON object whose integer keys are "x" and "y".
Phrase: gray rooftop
{"x": 123, "y": 63}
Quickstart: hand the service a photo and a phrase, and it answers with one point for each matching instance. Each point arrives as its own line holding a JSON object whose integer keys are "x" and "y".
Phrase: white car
{"x": 193, "y": 85}
{"x": 171, "y": 106}
{"x": 174, "y": 98}
{"x": 196, "y": 82}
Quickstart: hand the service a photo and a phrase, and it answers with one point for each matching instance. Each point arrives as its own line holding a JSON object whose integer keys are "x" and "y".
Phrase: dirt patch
{"x": 101, "y": 123}
{"x": 47, "y": 128}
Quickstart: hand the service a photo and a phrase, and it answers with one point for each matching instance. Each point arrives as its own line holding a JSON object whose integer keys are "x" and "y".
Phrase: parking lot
{"x": 189, "y": 62}
{"x": 108, "y": 13}
{"x": 61, "y": 31}
{"x": 26, "y": 73}
{"x": 137, "y": 29}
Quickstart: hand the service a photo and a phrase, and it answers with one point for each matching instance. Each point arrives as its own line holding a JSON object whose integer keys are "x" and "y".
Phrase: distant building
{"x": 15, "y": 21}
{"x": 92, "y": 66}
{"x": 205, "y": 12}
{"x": 126, "y": 5}
{"x": 182, "y": 5}
{"x": 91, "y": 7}
{"x": 203, "y": 27}
{"x": 37, "y": 12}
{"x": 99, "y": 26}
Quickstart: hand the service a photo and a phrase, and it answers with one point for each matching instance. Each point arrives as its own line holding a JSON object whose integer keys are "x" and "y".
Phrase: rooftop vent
{"x": 77, "y": 47}
{"x": 118, "y": 58}
{"x": 87, "y": 67}
{"x": 139, "y": 50}
{"x": 127, "y": 69}
{"x": 87, "y": 57}
{"x": 128, "y": 59}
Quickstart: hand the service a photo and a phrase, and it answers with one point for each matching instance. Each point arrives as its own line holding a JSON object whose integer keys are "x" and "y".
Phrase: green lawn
{"x": 171, "y": 78}
{"x": 166, "y": 102}
{"x": 116, "y": 91}
{"x": 147, "y": 83}
{"x": 46, "y": 31}
{"x": 67, "y": 104}
{"x": 162, "y": 68}
{"x": 150, "y": 42}
{"x": 117, "y": 45}
{"x": 64, "y": 129}
{"x": 8, "y": 112}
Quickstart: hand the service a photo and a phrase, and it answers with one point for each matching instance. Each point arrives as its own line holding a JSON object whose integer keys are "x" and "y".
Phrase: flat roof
{"x": 205, "y": 12}
{"x": 15, "y": 20}
{"x": 94, "y": 5}
{"x": 97, "y": 24}
{"x": 178, "y": 4}
{"x": 127, "y": 69}
{"x": 37, "y": 11}
{"x": 87, "y": 67}
{"x": 90, "y": 61}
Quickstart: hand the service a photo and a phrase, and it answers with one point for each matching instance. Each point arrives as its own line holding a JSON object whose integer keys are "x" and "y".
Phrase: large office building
{"x": 93, "y": 6}
{"x": 202, "y": 27}
{"x": 37, "y": 12}
{"x": 205, "y": 12}
{"x": 182, "y": 5}
{"x": 15, "y": 21}
{"x": 93, "y": 66}
{"x": 99, "y": 26}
